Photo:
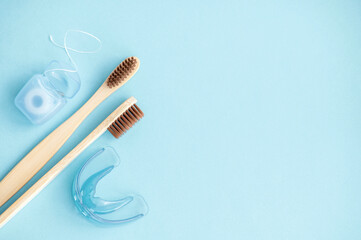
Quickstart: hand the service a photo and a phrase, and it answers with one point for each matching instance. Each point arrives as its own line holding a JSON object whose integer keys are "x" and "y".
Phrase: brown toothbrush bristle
{"x": 125, "y": 121}
{"x": 123, "y": 71}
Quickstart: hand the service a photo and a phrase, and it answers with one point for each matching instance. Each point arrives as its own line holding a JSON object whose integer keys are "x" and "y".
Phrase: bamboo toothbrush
{"x": 117, "y": 123}
{"x": 42, "y": 153}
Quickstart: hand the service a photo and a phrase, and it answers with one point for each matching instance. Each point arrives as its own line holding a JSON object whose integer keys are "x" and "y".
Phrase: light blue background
{"x": 252, "y": 116}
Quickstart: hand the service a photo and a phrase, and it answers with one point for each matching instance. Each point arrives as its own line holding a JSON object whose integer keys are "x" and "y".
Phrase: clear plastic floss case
{"x": 45, "y": 94}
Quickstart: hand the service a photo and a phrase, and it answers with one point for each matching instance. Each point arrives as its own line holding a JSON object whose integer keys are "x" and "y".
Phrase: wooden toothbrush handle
{"x": 46, "y": 149}
{"x": 63, "y": 163}
{"x": 45, "y": 180}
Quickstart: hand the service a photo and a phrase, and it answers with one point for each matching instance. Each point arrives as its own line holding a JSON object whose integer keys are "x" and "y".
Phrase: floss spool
{"x": 45, "y": 94}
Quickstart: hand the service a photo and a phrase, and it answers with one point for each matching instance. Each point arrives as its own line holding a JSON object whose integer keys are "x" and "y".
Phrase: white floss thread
{"x": 67, "y": 49}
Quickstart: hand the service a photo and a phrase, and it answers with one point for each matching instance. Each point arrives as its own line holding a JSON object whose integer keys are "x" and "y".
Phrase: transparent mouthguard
{"x": 87, "y": 186}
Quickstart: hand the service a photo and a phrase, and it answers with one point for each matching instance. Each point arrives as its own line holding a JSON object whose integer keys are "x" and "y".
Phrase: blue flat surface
{"x": 252, "y": 116}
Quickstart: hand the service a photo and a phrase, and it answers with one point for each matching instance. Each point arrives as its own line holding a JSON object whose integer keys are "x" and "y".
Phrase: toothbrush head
{"x": 123, "y": 72}
{"x": 125, "y": 121}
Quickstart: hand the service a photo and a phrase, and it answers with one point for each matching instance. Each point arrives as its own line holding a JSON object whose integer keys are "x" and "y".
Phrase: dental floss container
{"x": 45, "y": 94}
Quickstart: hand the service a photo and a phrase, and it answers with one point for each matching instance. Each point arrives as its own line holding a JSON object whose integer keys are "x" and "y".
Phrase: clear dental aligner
{"x": 86, "y": 185}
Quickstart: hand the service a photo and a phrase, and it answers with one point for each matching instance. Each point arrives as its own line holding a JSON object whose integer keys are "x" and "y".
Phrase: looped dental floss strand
{"x": 67, "y": 49}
